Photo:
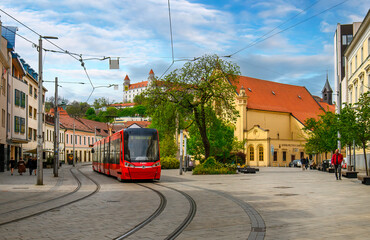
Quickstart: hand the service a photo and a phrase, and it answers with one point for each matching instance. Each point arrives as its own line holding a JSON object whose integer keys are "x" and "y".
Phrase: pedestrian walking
{"x": 12, "y": 165}
{"x": 307, "y": 162}
{"x": 34, "y": 164}
{"x": 303, "y": 164}
{"x": 336, "y": 160}
{"x": 30, "y": 165}
{"x": 21, "y": 166}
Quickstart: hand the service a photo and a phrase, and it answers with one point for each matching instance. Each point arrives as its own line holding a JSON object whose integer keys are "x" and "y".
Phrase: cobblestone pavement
{"x": 275, "y": 203}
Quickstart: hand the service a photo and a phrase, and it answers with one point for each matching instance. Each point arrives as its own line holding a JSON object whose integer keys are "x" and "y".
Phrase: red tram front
{"x": 129, "y": 154}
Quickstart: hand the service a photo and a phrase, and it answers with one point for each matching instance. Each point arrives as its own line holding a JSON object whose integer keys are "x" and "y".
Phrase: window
{"x": 251, "y": 153}
{"x": 275, "y": 156}
{"x": 350, "y": 68}
{"x": 34, "y": 113}
{"x": 30, "y": 89}
{"x": 88, "y": 140}
{"x": 355, "y": 62}
{"x": 71, "y": 139}
{"x": 17, "y": 100}
{"x": 3, "y": 118}
{"x": 30, "y": 111}
{"x": 344, "y": 39}
{"x": 343, "y": 61}
{"x": 80, "y": 140}
{"x": 67, "y": 139}
{"x": 356, "y": 94}
{"x": 34, "y": 134}
{"x": 3, "y": 85}
{"x": 35, "y": 93}
{"x": 30, "y": 133}
{"x": 284, "y": 156}
{"x": 362, "y": 54}
{"x": 84, "y": 140}
{"x": 16, "y": 124}
{"x": 260, "y": 153}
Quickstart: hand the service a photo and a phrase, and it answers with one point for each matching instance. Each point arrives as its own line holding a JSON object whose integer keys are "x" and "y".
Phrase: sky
{"x": 277, "y": 40}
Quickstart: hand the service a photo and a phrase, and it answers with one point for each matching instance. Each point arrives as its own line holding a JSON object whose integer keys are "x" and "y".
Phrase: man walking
{"x": 336, "y": 160}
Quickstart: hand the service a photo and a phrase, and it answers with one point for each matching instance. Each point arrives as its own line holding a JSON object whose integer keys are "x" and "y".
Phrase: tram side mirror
{"x": 93, "y": 150}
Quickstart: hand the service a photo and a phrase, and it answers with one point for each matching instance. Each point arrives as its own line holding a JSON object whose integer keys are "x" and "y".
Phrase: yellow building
{"x": 271, "y": 120}
{"x": 357, "y": 72}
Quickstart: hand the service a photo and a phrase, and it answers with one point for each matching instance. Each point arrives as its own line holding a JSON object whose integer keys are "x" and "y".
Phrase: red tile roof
{"x": 138, "y": 85}
{"x": 102, "y": 128}
{"x": 151, "y": 72}
{"x": 143, "y": 124}
{"x": 328, "y": 107}
{"x": 273, "y": 96}
{"x": 122, "y": 105}
{"x": 127, "y": 78}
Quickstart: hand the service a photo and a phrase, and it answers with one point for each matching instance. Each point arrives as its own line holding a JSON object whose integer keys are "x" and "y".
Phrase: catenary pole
{"x": 39, "y": 121}
{"x": 74, "y": 140}
{"x": 56, "y": 133}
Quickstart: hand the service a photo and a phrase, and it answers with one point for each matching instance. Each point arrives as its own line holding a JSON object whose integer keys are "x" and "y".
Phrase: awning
{"x": 34, "y": 151}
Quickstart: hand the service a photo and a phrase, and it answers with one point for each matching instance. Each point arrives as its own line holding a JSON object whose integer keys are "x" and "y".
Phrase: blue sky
{"x": 137, "y": 31}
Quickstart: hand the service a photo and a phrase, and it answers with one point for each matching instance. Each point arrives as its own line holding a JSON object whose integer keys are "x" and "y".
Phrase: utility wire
{"x": 294, "y": 25}
{"x": 33, "y": 44}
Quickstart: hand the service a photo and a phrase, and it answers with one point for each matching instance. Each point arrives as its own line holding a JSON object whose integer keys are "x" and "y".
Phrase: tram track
{"x": 159, "y": 210}
{"x": 156, "y": 213}
{"x": 54, "y": 199}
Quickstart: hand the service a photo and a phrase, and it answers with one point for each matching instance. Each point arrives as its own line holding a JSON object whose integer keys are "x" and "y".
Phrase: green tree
{"x": 220, "y": 135}
{"x": 196, "y": 87}
{"x": 77, "y": 109}
{"x": 90, "y": 114}
{"x": 323, "y": 134}
{"x": 168, "y": 146}
{"x": 101, "y": 102}
{"x": 363, "y": 121}
{"x": 348, "y": 127}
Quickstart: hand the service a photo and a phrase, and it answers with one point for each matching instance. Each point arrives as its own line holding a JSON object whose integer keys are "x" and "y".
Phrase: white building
{"x": 132, "y": 90}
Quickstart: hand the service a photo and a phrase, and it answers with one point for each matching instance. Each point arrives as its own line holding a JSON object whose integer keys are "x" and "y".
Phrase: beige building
{"x": 272, "y": 117}
{"x": 5, "y": 65}
{"x": 357, "y": 72}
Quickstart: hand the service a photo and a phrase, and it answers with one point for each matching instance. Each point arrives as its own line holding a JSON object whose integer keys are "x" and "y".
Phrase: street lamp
{"x": 39, "y": 120}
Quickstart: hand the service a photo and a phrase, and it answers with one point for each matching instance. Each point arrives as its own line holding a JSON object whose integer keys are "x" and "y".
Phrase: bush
{"x": 211, "y": 166}
{"x": 170, "y": 163}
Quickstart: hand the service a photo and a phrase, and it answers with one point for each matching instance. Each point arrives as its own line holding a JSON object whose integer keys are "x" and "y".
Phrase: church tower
{"x": 327, "y": 92}
{"x": 151, "y": 77}
{"x": 126, "y": 85}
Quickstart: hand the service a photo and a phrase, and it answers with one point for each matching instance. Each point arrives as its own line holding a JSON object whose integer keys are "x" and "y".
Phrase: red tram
{"x": 129, "y": 154}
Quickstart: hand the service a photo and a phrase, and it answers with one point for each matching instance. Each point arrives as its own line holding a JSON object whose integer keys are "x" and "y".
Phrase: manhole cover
{"x": 283, "y": 187}
{"x": 286, "y": 194}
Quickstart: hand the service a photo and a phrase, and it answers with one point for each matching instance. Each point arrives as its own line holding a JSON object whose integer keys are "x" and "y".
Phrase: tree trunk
{"x": 350, "y": 157}
{"x": 200, "y": 121}
{"x": 364, "y": 148}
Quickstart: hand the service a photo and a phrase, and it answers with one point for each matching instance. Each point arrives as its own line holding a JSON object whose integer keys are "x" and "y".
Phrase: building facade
{"x": 342, "y": 38}
{"x": 134, "y": 89}
{"x": 271, "y": 121}
{"x": 5, "y": 65}
{"x": 357, "y": 73}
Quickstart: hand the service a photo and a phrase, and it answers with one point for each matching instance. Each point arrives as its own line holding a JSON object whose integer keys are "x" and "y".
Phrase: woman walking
{"x": 21, "y": 166}
{"x": 12, "y": 165}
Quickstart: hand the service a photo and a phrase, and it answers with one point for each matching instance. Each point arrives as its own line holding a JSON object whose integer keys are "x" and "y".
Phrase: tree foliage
{"x": 206, "y": 83}
{"x": 77, "y": 109}
{"x": 363, "y": 122}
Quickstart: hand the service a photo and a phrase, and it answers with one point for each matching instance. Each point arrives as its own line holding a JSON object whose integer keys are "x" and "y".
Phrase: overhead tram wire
{"x": 33, "y": 44}
{"x": 294, "y": 25}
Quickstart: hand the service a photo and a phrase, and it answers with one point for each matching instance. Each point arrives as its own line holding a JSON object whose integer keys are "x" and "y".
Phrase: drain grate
{"x": 258, "y": 229}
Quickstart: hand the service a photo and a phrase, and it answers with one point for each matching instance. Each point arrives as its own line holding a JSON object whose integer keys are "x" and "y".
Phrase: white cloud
{"x": 326, "y": 27}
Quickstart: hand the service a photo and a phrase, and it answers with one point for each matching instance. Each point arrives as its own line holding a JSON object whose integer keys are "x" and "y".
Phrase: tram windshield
{"x": 141, "y": 145}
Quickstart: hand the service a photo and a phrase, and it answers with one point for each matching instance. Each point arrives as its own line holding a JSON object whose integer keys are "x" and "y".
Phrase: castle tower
{"x": 126, "y": 85}
{"x": 151, "y": 77}
{"x": 327, "y": 92}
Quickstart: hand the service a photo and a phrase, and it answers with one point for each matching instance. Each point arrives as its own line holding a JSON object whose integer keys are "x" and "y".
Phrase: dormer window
{"x": 273, "y": 92}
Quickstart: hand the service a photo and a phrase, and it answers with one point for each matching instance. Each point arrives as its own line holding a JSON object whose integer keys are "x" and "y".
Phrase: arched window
{"x": 260, "y": 153}
{"x": 251, "y": 153}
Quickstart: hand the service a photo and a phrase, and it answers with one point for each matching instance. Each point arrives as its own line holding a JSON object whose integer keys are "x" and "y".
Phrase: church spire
{"x": 327, "y": 92}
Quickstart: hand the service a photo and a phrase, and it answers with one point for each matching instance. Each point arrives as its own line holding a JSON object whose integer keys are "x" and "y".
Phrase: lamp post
{"x": 39, "y": 119}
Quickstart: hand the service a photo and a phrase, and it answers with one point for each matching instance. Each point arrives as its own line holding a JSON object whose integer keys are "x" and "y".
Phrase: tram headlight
{"x": 129, "y": 165}
{"x": 156, "y": 164}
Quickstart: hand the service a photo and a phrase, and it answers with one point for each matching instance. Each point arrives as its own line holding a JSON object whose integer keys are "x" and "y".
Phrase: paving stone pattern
{"x": 275, "y": 203}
